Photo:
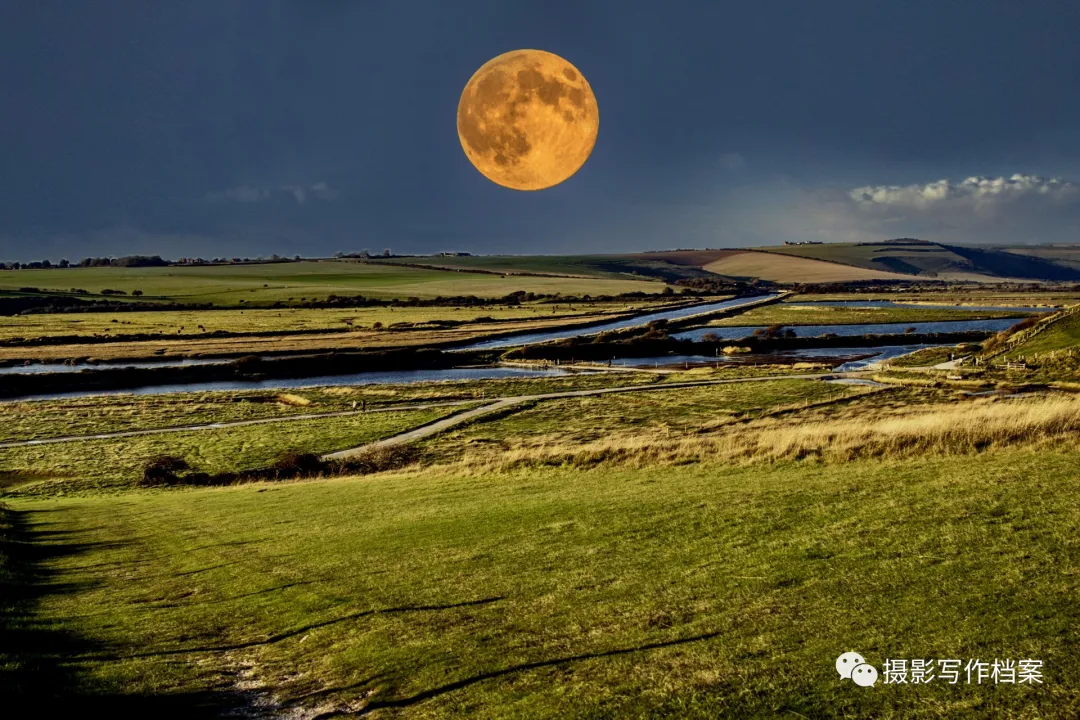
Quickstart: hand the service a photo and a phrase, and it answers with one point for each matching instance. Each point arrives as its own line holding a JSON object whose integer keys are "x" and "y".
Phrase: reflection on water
{"x": 948, "y": 326}
{"x": 538, "y": 337}
{"x": 38, "y": 368}
{"x": 867, "y": 355}
{"x": 365, "y": 378}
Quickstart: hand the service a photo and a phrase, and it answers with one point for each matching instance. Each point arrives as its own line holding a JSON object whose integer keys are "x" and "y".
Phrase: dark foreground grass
{"x": 697, "y": 591}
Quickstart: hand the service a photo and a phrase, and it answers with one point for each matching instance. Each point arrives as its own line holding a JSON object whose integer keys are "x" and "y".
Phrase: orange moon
{"x": 527, "y": 120}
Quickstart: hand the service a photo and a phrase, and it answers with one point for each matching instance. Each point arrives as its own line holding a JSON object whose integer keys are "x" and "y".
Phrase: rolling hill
{"x": 939, "y": 261}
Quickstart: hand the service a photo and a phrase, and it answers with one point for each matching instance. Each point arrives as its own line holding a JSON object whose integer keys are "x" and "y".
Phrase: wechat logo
{"x": 853, "y": 666}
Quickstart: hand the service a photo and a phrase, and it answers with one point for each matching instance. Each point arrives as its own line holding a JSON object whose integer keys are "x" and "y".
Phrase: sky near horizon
{"x": 252, "y": 127}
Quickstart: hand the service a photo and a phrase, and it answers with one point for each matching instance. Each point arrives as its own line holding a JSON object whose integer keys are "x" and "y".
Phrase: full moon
{"x": 527, "y": 119}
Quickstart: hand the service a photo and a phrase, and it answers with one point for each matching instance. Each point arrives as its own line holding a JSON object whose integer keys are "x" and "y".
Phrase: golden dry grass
{"x": 868, "y": 432}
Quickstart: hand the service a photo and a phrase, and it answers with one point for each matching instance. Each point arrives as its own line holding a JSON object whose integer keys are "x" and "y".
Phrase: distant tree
{"x": 137, "y": 293}
{"x": 46, "y": 264}
{"x": 386, "y": 252}
{"x": 296, "y": 258}
{"x": 64, "y": 263}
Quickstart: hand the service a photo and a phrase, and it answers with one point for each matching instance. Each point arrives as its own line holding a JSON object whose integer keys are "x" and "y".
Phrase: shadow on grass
{"x": 36, "y": 668}
{"x": 295, "y": 631}
{"x": 460, "y": 684}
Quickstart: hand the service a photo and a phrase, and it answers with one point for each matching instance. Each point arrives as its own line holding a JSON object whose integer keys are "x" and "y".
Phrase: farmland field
{"x": 263, "y": 284}
{"x": 187, "y": 323}
{"x": 425, "y": 333}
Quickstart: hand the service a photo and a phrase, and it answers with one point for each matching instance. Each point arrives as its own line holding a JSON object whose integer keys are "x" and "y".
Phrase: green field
{"x": 800, "y": 314}
{"x": 696, "y": 591}
{"x": 293, "y": 282}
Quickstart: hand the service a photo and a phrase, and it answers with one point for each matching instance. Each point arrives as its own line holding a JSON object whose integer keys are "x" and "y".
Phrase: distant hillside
{"x": 643, "y": 266}
{"x": 938, "y": 261}
{"x": 901, "y": 259}
{"x": 1063, "y": 255}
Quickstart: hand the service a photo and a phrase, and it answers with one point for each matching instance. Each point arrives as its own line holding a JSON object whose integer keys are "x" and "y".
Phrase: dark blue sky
{"x": 308, "y": 126}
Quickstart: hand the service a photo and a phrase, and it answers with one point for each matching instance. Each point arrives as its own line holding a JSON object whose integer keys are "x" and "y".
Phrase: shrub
{"x": 386, "y": 457}
{"x": 162, "y": 469}
{"x": 293, "y": 464}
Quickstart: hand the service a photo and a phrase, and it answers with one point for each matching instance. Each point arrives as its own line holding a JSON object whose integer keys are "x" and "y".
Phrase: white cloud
{"x": 298, "y": 191}
{"x": 1016, "y": 209}
{"x": 972, "y": 191}
{"x": 323, "y": 191}
{"x": 250, "y": 195}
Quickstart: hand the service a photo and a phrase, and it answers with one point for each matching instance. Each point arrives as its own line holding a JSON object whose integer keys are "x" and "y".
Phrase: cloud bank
{"x": 1016, "y": 209}
{"x": 972, "y": 192}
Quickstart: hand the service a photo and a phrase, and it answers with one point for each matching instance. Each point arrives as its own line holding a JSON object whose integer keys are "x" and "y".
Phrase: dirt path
{"x": 446, "y": 423}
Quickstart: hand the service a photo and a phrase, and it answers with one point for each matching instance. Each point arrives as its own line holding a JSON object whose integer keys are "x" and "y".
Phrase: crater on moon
{"x": 527, "y": 120}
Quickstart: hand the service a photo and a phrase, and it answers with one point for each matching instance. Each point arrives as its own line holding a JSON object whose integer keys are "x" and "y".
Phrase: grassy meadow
{"x": 702, "y": 590}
